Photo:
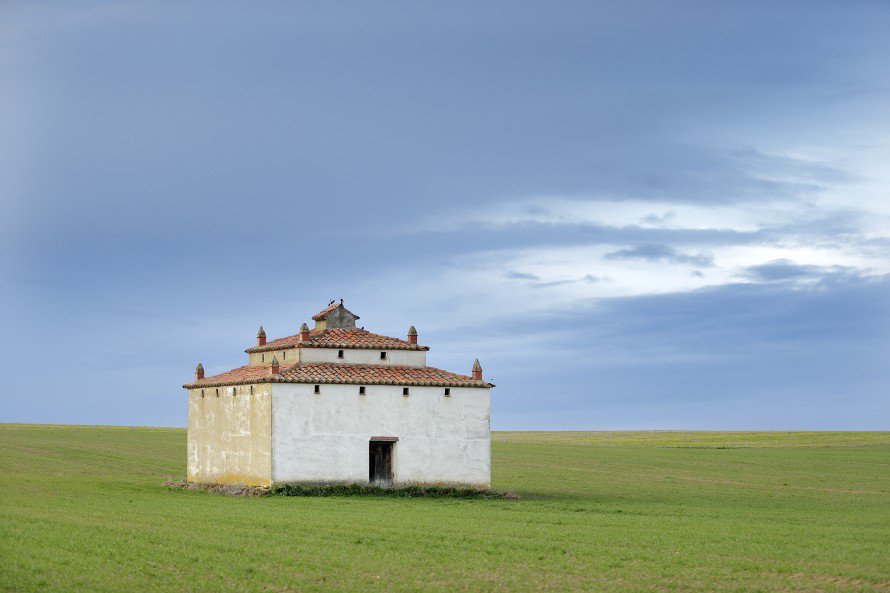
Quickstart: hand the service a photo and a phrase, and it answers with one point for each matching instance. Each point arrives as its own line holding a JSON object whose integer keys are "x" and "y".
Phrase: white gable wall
{"x": 324, "y": 437}
{"x": 411, "y": 358}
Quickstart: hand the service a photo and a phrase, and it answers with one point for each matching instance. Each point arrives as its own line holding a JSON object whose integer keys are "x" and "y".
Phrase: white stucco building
{"x": 339, "y": 404}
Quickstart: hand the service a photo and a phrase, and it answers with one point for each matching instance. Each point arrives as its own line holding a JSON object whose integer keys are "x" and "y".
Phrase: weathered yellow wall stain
{"x": 286, "y": 357}
{"x": 230, "y": 436}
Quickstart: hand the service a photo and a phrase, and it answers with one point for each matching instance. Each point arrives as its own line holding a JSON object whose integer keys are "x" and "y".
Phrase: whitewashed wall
{"x": 324, "y": 437}
{"x": 413, "y": 358}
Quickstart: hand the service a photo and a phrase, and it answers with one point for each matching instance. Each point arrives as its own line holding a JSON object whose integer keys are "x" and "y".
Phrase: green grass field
{"x": 84, "y": 509}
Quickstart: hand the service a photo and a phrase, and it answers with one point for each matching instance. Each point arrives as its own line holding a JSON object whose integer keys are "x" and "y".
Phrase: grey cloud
{"x": 760, "y": 164}
{"x": 835, "y": 227}
{"x": 656, "y": 219}
{"x": 654, "y": 252}
{"x": 781, "y": 270}
{"x": 586, "y": 279}
{"x": 521, "y": 276}
{"x": 702, "y": 174}
{"x": 535, "y": 281}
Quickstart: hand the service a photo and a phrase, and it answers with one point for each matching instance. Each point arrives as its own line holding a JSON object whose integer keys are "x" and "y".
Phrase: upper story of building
{"x": 336, "y": 339}
{"x": 336, "y": 351}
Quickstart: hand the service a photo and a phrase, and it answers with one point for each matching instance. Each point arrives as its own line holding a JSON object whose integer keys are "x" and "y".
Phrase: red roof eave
{"x": 341, "y": 373}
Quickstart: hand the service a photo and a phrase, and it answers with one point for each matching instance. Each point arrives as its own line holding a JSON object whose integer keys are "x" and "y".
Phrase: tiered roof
{"x": 344, "y": 373}
{"x": 329, "y": 372}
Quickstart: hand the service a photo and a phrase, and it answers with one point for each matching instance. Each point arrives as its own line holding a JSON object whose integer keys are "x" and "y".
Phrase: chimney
{"x": 304, "y": 332}
{"x": 261, "y": 337}
{"x": 275, "y": 367}
{"x": 199, "y": 371}
{"x": 477, "y": 370}
{"x": 412, "y": 335}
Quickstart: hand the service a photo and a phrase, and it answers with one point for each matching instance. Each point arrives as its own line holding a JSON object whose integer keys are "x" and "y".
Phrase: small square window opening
{"x": 383, "y": 356}
{"x": 361, "y": 390}
{"x": 447, "y": 391}
{"x": 404, "y": 391}
{"x": 318, "y": 389}
{"x": 339, "y": 354}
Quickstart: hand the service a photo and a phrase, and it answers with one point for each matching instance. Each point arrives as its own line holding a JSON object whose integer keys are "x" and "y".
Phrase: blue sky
{"x": 636, "y": 214}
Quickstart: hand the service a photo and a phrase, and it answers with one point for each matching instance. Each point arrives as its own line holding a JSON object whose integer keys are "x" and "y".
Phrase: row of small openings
{"x": 283, "y": 356}
{"x": 361, "y": 390}
{"x": 233, "y": 393}
{"x": 317, "y": 389}
{"x": 340, "y": 355}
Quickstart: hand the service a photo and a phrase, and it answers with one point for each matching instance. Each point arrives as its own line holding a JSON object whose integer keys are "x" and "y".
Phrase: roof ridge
{"x": 358, "y": 338}
{"x": 371, "y": 364}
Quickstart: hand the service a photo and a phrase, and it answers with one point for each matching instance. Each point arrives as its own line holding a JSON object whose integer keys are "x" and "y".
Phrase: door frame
{"x": 383, "y": 443}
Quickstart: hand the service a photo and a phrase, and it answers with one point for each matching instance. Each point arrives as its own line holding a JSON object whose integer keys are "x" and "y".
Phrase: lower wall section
{"x": 230, "y": 435}
{"x": 324, "y": 437}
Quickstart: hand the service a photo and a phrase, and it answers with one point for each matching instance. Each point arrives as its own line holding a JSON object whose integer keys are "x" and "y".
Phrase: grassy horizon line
{"x": 685, "y": 439}
{"x": 568, "y": 430}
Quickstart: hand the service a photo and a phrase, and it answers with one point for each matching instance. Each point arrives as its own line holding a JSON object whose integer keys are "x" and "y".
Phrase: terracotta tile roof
{"x": 340, "y": 338}
{"x": 320, "y": 315}
{"x": 279, "y": 344}
{"x": 355, "y": 374}
{"x": 239, "y": 376}
{"x": 374, "y": 374}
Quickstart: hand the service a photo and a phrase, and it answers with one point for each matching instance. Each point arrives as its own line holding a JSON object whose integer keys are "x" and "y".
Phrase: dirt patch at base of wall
{"x": 411, "y": 491}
